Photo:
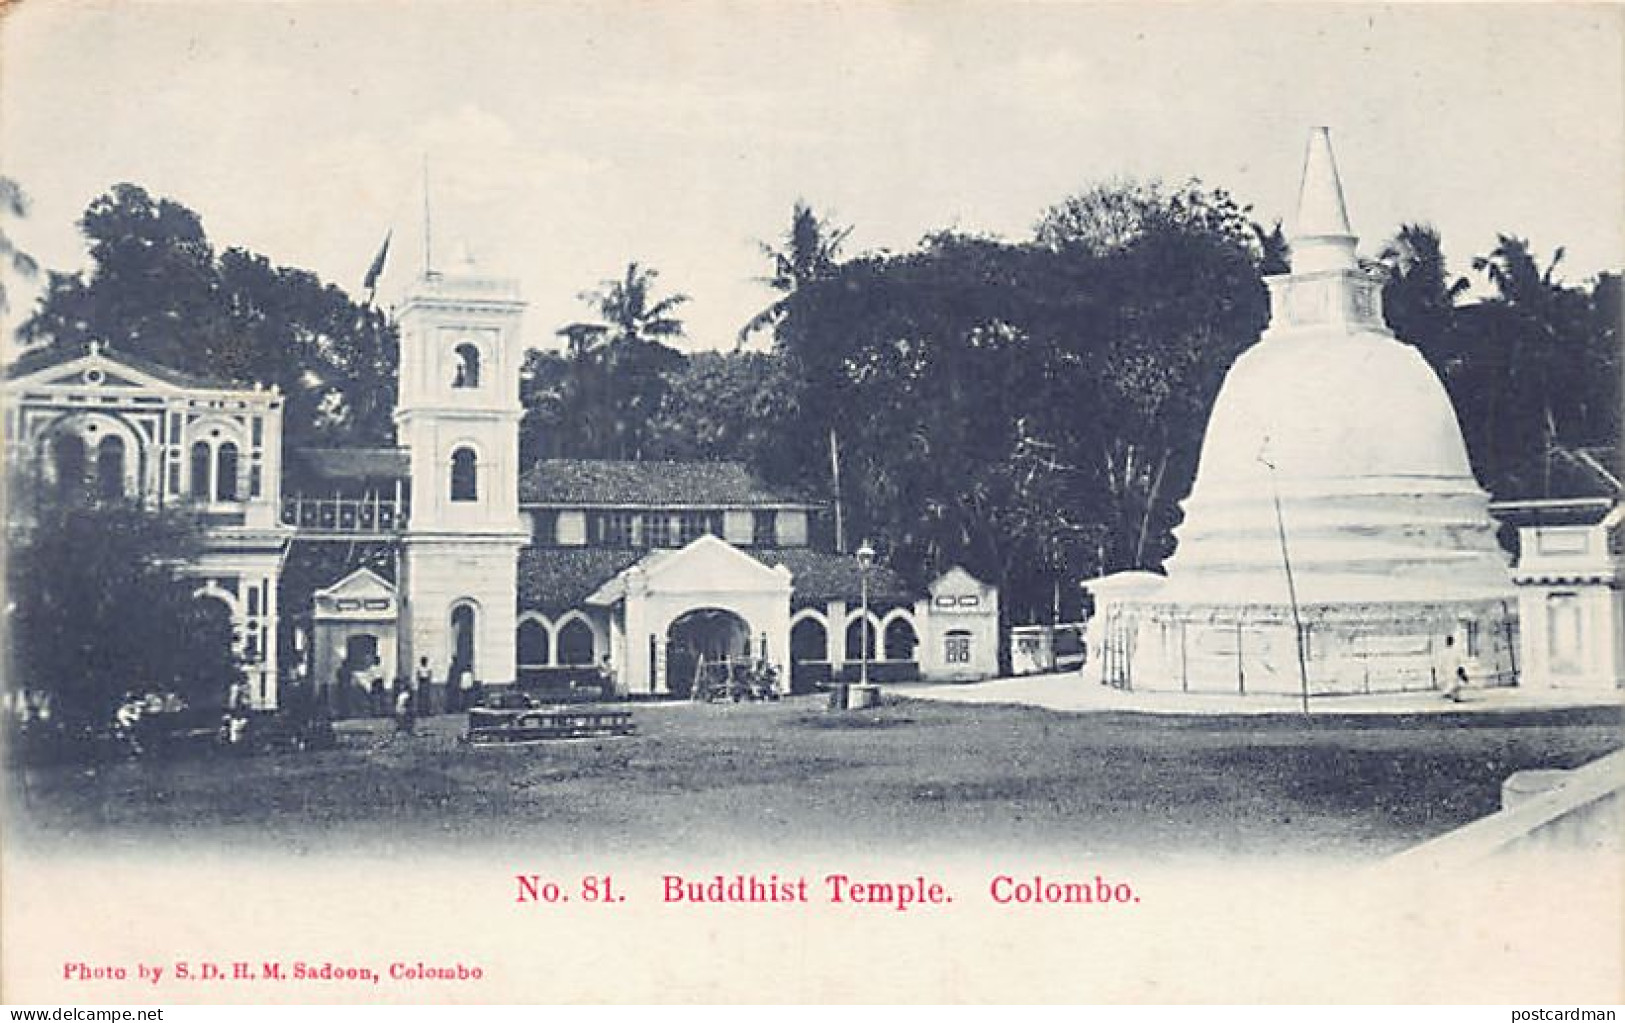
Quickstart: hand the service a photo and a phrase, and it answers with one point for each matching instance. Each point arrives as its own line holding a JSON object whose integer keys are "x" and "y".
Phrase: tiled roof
{"x": 349, "y": 463}
{"x": 35, "y": 359}
{"x": 559, "y": 578}
{"x": 817, "y": 576}
{"x": 1564, "y": 474}
{"x": 605, "y": 483}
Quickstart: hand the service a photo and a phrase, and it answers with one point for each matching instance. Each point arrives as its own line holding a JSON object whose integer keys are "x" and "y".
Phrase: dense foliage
{"x": 91, "y": 585}
{"x": 1027, "y": 410}
{"x": 1535, "y": 364}
{"x": 157, "y": 289}
{"x": 598, "y": 398}
{"x": 1030, "y": 409}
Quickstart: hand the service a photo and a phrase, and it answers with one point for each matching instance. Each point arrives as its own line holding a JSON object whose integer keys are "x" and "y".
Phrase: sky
{"x": 564, "y": 140}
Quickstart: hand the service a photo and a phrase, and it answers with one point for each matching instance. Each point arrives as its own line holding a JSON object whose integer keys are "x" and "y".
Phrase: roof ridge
{"x": 1596, "y": 466}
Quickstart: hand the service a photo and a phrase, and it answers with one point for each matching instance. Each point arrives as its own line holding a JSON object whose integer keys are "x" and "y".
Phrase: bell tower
{"x": 457, "y": 413}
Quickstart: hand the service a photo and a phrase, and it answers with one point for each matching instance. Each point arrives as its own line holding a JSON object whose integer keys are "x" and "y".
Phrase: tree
{"x": 809, "y": 254}
{"x": 552, "y": 425}
{"x": 101, "y": 606}
{"x": 621, "y": 360}
{"x": 955, "y": 372}
{"x": 1114, "y": 217}
{"x": 1030, "y": 411}
{"x": 1535, "y": 365}
{"x": 157, "y": 289}
{"x": 1420, "y": 297}
{"x": 334, "y": 358}
{"x": 13, "y": 203}
{"x": 152, "y": 290}
{"x": 720, "y": 406}
{"x": 1181, "y": 272}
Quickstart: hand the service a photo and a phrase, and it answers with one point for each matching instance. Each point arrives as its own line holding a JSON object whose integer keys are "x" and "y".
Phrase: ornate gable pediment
{"x": 363, "y": 594}
{"x": 94, "y": 370}
{"x": 956, "y": 581}
{"x": 710, "y": 563}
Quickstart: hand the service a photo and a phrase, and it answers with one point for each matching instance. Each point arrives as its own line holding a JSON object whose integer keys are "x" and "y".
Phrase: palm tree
{"x": 1420, "y": 298}
{"x": 1511, "y": 267}
{"x": 628, "y": 313}
{"x": 811, "y": 251}
{"x": 1544, "y": 326}
{"x": 628, "y": 340}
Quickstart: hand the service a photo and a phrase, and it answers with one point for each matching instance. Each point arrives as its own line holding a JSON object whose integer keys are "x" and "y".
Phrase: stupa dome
{"x": 1337, "y": 442}
{"x": 1338, "y": 410}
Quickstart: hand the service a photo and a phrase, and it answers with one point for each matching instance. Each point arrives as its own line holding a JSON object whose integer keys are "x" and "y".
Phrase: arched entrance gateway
{"x": 703, "y": 636}
{"x": 707, "y": 600}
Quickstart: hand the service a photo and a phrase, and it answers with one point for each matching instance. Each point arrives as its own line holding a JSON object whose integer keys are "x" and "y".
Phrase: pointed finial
{"x": 1321, "y": 237}
{"x": 95, "y": 348}
{"x": 1321, "y": 210}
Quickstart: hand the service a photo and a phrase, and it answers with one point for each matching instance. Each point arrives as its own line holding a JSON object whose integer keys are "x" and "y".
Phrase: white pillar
{"x": 636, "y": 606}
{"x": 835, "y": 636}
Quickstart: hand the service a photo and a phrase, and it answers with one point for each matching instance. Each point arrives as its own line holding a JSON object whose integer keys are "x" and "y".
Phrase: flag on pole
{"x": 377, "y": 268}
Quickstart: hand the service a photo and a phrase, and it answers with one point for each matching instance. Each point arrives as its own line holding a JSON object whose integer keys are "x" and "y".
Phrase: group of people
{"x": 135, "y": 712}
{"x": 405, "y": 702}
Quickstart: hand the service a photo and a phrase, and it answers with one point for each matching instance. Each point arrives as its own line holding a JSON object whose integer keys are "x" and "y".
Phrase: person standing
{"x": 1456, "y": 671}
{"x": 405, "y": 717}
{"x": 423, "y": 683}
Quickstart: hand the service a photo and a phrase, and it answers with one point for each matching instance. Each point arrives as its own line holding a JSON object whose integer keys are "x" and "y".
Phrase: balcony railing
{"x": 344, "y": 515}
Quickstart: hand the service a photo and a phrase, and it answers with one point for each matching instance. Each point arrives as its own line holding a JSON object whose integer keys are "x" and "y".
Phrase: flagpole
{"x": 428, "y": 248}
{"x": 1291, "y": 586}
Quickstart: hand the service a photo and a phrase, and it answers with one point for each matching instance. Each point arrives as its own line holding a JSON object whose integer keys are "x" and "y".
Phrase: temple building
{"x": 122, "y": 428}
{"x": 350, "y": 565}
{"x": 1335, "y": 539}
{"x": 1570, "y": 519}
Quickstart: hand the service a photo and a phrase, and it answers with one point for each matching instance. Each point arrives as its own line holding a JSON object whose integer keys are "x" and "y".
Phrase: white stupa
{"x": 1334, "y": 496}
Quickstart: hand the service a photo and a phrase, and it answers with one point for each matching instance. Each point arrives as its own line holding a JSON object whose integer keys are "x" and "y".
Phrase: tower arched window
{"x": 462, "y": 641}
{"x": 465, "y": 475}
{"x": 110, "y": 468}
{"x": 201, "y": 457}
{"x": 225, "y": 476}
{"x": 467, "y": 370}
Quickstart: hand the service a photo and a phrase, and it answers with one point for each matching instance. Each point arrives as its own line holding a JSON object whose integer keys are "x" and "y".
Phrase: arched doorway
{"x": 462, "y": 641}
{"x": 68, "y": 462}
{"x": 110, "y": 468}
{"x": 576, "y": 647}
{"x": 900, "y": 640}
{"x": 809, "y": 645}
{"x": 357, "y": 672}
{"x": 710, "y": 633}
{"x": 532, "y": 647}
{"x": 211, "y": 637}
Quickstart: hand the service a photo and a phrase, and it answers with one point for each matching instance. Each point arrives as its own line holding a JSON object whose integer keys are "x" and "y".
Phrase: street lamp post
{"x": 866, "y": 560}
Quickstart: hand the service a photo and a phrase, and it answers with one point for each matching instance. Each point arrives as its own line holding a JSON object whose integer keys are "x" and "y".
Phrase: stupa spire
{"x": 1321, "y": 237}
{"x": 1326, "y": 286}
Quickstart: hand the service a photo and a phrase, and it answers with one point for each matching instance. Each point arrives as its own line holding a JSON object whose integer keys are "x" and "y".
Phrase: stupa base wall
{"x": 1346, "y": 649}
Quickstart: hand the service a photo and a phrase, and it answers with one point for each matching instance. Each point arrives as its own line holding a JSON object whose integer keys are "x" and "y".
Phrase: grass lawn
{"x": 911, "y": 776}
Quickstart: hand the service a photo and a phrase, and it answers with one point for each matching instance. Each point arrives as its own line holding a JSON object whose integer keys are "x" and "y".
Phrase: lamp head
{"x": 866, "y": 556}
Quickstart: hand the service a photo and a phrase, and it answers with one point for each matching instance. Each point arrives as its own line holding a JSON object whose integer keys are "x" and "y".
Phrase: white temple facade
{"x": 444, "y": 563}
{"x": 1335, "y": 539}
